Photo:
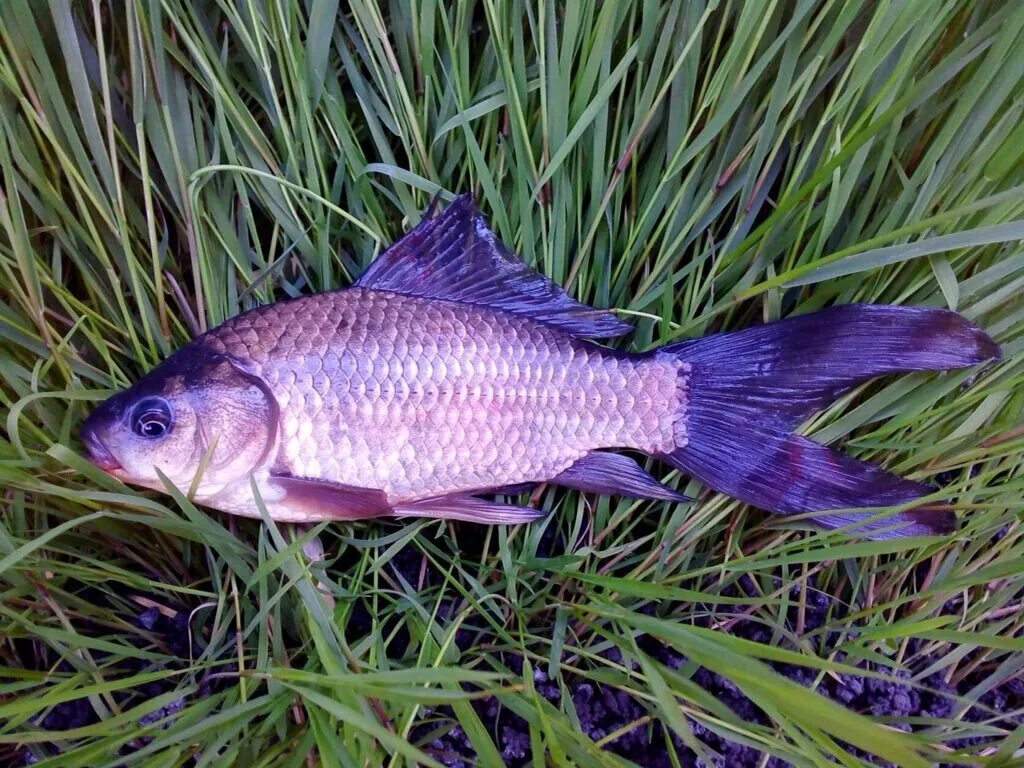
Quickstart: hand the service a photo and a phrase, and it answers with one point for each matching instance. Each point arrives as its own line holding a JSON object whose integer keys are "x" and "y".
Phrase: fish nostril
{"x": 99, "y": 454}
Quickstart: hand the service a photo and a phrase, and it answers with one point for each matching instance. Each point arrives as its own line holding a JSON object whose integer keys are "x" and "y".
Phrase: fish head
{"x": 199, "y": 418}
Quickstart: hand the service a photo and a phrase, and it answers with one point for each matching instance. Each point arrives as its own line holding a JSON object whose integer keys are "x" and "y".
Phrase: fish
{"x": 451, "y": 373}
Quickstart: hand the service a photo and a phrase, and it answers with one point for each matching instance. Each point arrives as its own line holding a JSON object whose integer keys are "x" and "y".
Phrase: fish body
{"x": 451, "y": 370}
{"x": 424, "y": 398}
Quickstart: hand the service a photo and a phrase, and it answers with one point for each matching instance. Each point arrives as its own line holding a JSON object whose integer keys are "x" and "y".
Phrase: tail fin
{"x": 747, "y": 391}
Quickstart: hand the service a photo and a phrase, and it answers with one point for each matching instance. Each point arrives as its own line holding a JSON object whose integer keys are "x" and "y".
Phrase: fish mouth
{"x": 99, "y": 454}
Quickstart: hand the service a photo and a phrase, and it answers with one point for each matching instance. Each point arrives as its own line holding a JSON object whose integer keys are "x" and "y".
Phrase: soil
{"x": 603, "y": 709}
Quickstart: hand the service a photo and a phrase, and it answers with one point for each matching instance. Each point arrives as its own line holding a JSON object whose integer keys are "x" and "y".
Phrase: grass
{"x": 695, "y": 165}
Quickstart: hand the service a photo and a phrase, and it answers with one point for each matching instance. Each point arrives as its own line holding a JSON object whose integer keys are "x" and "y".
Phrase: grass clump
{"x": 695, "y": 165}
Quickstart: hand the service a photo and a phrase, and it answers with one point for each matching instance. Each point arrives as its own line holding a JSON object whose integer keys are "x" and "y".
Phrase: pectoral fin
{"x": 310, "y": 499}
{"x": 470, "y": 509}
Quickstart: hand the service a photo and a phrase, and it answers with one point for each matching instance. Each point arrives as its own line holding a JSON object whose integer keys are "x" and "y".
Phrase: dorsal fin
{"x": 454, "y": 255}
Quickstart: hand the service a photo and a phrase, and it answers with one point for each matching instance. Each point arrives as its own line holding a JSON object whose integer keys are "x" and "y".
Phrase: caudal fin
{"x": 747, "y": 391}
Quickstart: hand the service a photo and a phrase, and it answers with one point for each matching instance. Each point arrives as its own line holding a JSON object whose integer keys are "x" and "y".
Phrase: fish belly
{"x": 424, "y": 398}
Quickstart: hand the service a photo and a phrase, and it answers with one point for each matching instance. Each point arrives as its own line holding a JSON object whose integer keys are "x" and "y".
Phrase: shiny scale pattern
{"x": 422, "y": 398}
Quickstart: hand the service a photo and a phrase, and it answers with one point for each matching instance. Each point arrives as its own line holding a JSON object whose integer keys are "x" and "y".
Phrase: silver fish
{"x": 451, "y": 371}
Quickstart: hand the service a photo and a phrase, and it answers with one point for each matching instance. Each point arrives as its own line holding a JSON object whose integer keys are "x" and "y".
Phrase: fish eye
{"x": 151, "y": 418}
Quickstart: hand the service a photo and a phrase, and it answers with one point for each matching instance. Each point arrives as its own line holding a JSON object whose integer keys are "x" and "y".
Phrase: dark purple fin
{"x": 455, "y": 256}
{"x": 747, "y": 391}
{"x": 324, "y": 500}
{"x": 616, "y": 475}
{"x": 470, "y": 509}
{"x": 513, "y": 490}
{"x": 802, "y": 363}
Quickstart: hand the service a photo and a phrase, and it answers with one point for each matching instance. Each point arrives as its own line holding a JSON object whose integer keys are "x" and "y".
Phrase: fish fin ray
{"x": 793, "y": 475}
{"x": 790, "y": 368}
{"x": 746, "y": 393}
{"x": 469, "y": 509}
{"x": 512, "y": 490}
{"x": 325, "y": 500}
{"x": 454, "y": 255}
{"x": 614, "y": 474}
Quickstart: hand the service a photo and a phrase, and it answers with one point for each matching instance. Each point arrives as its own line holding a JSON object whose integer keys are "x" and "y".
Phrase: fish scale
{"x": 421, "y": 398}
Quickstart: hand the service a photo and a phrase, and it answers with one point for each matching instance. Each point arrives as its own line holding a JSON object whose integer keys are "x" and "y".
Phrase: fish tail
{"x": 746, "y": 392}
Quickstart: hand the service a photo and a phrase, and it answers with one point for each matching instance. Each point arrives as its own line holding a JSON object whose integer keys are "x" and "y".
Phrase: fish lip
{"x": 99, "y": 454}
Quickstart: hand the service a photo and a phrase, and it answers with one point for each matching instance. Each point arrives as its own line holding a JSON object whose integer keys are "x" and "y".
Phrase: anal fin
{"x": 513, "y": 490}
{"x": 614, "y": 474}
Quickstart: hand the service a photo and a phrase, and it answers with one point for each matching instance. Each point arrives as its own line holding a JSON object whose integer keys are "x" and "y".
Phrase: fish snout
{"x": 99, "y": 454}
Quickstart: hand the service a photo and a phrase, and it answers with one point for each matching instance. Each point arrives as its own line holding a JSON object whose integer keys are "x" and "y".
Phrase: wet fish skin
{"x": 422, "y": 398}
{"x": 452, "y": 370}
